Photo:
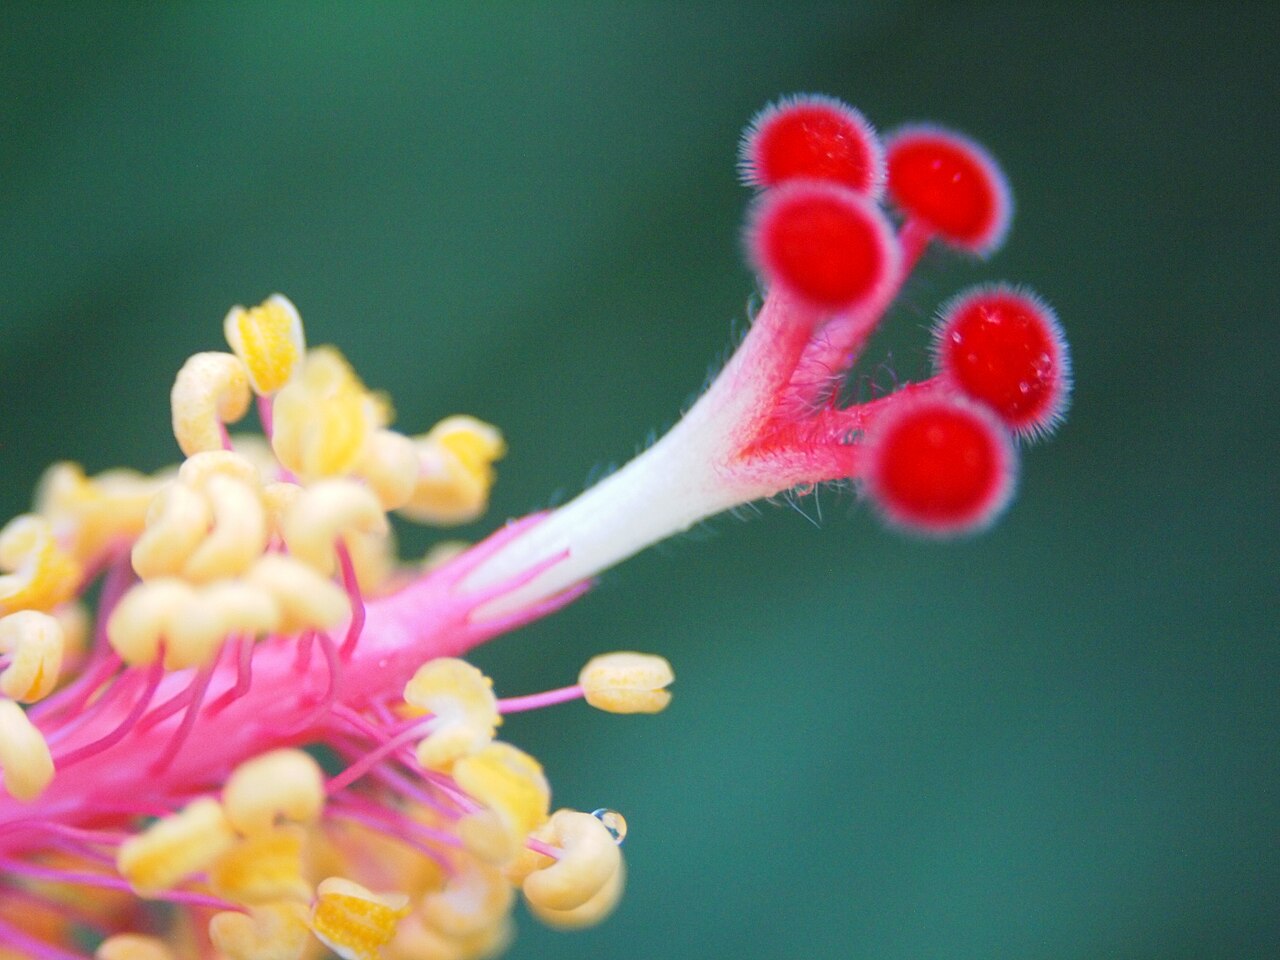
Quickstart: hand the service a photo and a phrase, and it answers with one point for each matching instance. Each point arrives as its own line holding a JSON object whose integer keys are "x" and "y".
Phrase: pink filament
{"x": 199, "y": 686}
{"x": 534, "y": 701}
{"x": 352, "y": 586}
{"x": 156, "y": 671}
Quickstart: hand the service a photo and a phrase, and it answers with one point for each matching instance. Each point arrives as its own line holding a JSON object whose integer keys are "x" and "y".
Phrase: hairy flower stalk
{"x": 266, "y": 723}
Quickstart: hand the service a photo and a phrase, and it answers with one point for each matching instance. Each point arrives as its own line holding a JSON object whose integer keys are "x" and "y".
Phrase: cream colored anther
{"x": 285, "y": 784}
{"x": 589, "y": 913}
{"x": 177, "y": 520}
{"x": 465, "y": 711}
{"x": 473, "y": 898}
{"x": 132, "y": 946}
{"x": 589, "y": 859}
{"x": 269, "y": 339}
{"x": 24, "y": 755}
{"x": 34, "y": 642}
{"x": 174, "y": 847}
{"x": 211, "y": 389}
{"x": 239, "y": 533}
{"x": 324, "y": 514}
{"x": 276, "y": 931}
{"x": 390, "y": 467}
{"x": 142, "y": 619}
{"x": 627, "y": 682}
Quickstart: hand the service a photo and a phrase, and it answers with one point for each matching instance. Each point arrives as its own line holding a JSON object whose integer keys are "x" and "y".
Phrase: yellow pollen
{"x": 269, "y": 340}
{"x": 354, "y": 921}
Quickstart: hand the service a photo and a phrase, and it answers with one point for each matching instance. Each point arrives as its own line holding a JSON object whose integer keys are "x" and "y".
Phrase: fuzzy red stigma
{"x": 829, "y": 246}
{"x": 1004, "y": 348}
{"x": 812, "y": 137}
{"x": 951, "y": 184}
{"x": 940, "y": 466}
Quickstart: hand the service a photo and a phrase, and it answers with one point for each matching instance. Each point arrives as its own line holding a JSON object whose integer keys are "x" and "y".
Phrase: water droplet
{"x": 614, "y": 822}
{"x": 1024, "y": 387}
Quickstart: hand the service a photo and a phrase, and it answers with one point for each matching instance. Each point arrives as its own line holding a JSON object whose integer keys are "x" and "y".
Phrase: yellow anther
{"x": 34, "y": 641}
{"x": 39, "y": 573}
{"x": 589, "y": 859}
{"x": 174, "y": 847}
{"x": 354, "y": 921}
{"x": 589, "y": 913}
{"x": 239, "y": 533}
{"x": 142, "y": 618}
{"x": 511, "y": 786}
{"x": 89, "y": 514}
{"x": 465, "y": 711}
{"x": 305, "y": 598}
{"x": 455, "y": 471}
{"x": 323, "y": 418}
{"x": 212, "y": 389}
{"x": 275, "y": 931}
{"x": 390, "y": 467}
{"x": 473, "y": 899}
{"x": 327, "y": 512}
{"x": 177, "y": 520}
{"x": 24, "y": 756}
{"x": 269, "y": 339}
{"x": 132, "y": 946}
{"x": 627, "y": 682}
{"x": 262, "y": 868}
{"x": 283, "y": 784}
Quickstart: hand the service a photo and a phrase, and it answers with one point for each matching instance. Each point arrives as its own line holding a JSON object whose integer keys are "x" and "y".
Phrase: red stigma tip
{"x": 812, "y": 137}
{"x": 1005, "y": 349}
{"x": 826, "y": 244}
{"x": 940, "y": 466}
{"x": 952, "y": 184}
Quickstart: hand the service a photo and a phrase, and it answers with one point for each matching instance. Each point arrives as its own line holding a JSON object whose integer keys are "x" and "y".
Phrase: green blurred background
{"x": 1055, "y": 741}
